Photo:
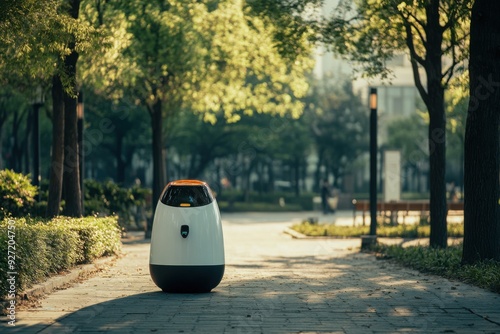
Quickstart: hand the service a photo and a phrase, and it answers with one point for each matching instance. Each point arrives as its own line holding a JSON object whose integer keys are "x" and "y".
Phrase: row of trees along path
{"x": 173, "y": 55}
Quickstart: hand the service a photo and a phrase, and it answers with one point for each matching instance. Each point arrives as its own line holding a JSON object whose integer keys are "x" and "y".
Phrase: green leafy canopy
{"x": 195, "y": 55}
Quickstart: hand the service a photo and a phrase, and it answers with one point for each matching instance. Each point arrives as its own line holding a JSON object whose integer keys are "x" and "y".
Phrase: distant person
{"x": 325, "y": 195}
{"x": 453, "y": 195}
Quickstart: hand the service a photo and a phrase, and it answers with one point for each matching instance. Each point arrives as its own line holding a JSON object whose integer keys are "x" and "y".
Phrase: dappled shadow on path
{"x": 347, "y": 294}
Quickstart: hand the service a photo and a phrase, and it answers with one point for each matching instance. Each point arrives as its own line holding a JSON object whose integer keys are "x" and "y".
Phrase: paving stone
{"x": 272, "y": 284}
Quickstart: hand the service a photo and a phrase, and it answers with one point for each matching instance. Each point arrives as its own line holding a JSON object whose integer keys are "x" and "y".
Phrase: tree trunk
{"x": 317, "y": 173}
{"x": 437, "y": 127}
{"x": 27, "y": 147}
{"x": 57, "y": 156}
{"x": 15, "y": 153}
{"x": 260, "y": 168}
{"x": 246, "y": 179}
{"x": 120, "y": 163}
{"x": 71, "y": 178}
{"x": 481, "y": 170}
{"x": 2, "y": 121}
{"x": 296, "y": 168}
{"x": 437, "y": 167}
{"x": 159, "y": 173}
{"x": 270, "y": 175}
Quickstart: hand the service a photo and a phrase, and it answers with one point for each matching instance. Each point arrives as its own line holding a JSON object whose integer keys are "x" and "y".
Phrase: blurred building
{"x": 398, "y": 98}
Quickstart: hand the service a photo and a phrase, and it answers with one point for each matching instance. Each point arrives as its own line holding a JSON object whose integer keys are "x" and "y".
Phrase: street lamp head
{"x": 39, "y": 96}
{"x": 373, "y": 98}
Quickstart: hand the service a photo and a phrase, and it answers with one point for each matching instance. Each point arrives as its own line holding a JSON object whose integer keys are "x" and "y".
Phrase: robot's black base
{"x": 186, "y": 279}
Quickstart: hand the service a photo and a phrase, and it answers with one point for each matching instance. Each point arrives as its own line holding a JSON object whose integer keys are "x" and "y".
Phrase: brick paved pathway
{"x": 272, "y": 284}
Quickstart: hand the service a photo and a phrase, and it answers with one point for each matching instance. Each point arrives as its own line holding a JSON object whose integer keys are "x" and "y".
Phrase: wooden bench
{"x": 391, "y": 209}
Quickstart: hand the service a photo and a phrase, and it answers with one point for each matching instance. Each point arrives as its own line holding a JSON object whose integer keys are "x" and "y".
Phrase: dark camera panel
{"x": 186, "y": 196}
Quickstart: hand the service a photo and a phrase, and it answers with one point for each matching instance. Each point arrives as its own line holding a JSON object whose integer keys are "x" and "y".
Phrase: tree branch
{"x": 420, "y": 35}
{"x": 448, "y": 74}
{"x": 414, "y": 58}
{"x": 451, "y": 15}
{"x": 420, "y": 23}
{"x": 409, "y": 39}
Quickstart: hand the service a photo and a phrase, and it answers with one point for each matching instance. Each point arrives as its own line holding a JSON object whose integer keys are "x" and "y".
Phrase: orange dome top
{"x": 187, "y": 183}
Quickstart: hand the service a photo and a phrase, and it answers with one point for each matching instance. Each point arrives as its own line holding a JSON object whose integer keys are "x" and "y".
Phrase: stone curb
{"x": 58, "y": 281}
{"x": 297, "y": 235}
{"x": 294, "y": 234}
{"x": 383, "y": 240}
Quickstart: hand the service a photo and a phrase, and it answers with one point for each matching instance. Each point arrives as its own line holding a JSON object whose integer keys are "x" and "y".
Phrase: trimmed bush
{"x": 97, "y": 236}
{"x": 45, "y": 247}
{"x": 17, "y": 194}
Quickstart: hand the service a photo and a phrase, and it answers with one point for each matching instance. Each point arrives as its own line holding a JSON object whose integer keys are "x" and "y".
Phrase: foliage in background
{"x": 117, "y": 133}
{"x": 338, "y": 123}
{"x": 108, "y": 198}
{"x": 17, "y": 194}
{"x": 294, "y": 20}
{"x": 447, "y": 263}
{"x": 45, "y": 247}
{"x": 234, "y": 201}
{"x": 27, "y": 39}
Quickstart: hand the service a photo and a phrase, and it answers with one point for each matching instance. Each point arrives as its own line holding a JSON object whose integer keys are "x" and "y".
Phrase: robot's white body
{"x": 187, "y": 246}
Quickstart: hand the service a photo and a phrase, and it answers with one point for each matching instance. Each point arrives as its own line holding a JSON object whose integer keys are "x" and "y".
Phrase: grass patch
{"x": 446, "y": 263}
{"x": 399, "y": 231}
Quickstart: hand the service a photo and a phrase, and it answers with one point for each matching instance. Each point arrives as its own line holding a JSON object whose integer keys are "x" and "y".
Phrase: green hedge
{"x": 45, "y": 247}
{"x": 234, "y": 200}
{"x": 17, "y": 194}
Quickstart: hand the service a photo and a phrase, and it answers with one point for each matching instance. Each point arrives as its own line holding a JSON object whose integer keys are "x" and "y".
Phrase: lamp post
{"x": 38, "y": 101}
{"x": 80, "y": 113}
{"x": 373, "y": 161}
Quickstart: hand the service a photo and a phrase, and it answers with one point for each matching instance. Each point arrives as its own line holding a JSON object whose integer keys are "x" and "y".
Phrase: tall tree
{"x": 482, "y": 145}
{"x": 41, "y": 40}
{"x": 74, "y": 37}
{"x": 434, "y": 33}
{"x": 57, "y": 157}
{"x": 209, "y": 57}
{"x": 71, "y": 172}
